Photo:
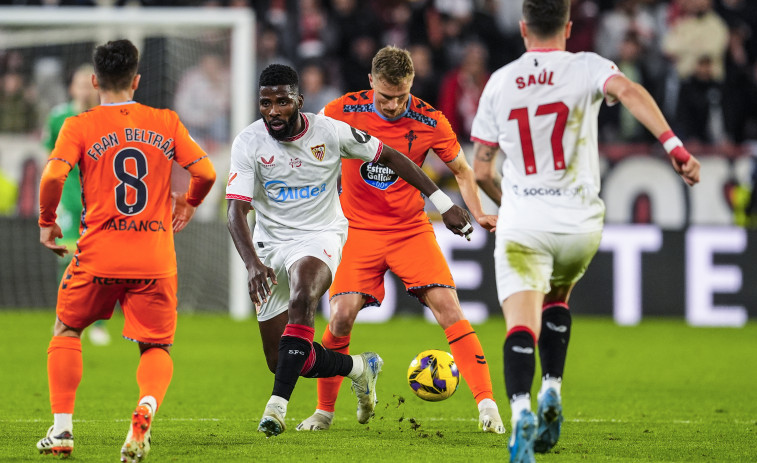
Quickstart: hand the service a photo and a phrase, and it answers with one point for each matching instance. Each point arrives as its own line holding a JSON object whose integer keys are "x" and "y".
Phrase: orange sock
{"x": 470, "y": 359}
{"x": 64, "y": 369}
{"x": 154, "y": 373}
{"x": 328, "y": 388}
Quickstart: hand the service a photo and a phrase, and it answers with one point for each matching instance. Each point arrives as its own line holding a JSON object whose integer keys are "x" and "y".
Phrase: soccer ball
{"x": 433, "y": 375}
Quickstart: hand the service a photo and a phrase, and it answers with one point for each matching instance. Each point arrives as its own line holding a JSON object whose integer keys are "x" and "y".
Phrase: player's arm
{"x": 466, "y": 180}
{"x": 50, "y": 189}
{"x": 485, "y": 171}
{"x": 642, "y": 106}
{"x": 203, "y": 176}
{"x": 257, "y": 273}
{"x": 455, "y": 218}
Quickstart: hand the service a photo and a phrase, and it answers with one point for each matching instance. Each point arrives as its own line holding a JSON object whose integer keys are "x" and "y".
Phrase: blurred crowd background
{"x": 698, "y": 58}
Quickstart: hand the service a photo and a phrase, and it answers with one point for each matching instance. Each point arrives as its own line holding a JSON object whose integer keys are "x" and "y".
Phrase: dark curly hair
{"x": 546, "y": 17}
{"x": 116, "y": 64}
{"x": 279, "y": 74}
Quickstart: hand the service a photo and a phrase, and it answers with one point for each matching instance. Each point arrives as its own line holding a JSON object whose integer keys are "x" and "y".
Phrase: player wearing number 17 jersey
{"x": 125, "y": 152}
{"x": 541, "y": 110}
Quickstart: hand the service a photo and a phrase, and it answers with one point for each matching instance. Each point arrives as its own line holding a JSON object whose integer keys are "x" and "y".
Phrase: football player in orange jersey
{"x": 126, "y": 250}
{"x": 389, "y": 230}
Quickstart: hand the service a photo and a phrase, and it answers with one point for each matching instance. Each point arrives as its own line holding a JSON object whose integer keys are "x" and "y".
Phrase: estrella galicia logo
{"x": 279, "y": 191}
{"x": 378, "y": 175}
{"x": 360, "y": 136}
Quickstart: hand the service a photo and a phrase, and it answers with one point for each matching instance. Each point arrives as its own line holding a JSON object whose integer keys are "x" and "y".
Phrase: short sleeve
{"x": 601, "y": 70}
{"x": 356, "y": 144}
{"x": 241, "y": 181}
{"x": 445, "y": 143}
{"x": 484, "y": 129}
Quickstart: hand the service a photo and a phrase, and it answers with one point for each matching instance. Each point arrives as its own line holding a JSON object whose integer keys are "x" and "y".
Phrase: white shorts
{"x": 530, "y": 260}
{"x": 280, "y": 256}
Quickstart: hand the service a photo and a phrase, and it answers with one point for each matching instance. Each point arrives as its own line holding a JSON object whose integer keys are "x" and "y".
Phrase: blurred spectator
{"x": 461, "y": 89}
{"x": 17, "y": 104}
{"x": 585, "y": 17}
{"x": 356, "y": 64}
{"x": 617, "y": 124}
{"x": 614, "y": 26}
{"x": 483, "y": 26}
{"x": 316, "y": 34}
{"x": 315, "y": 88}
{"x": 425, "y": 84}
{"x": 8, "y": 194}
{"x": 51, "y": 89}
{"x": 740, "y": 90}
{"x": 203, "y": 101}
{"x": 699, "y": 115}
{"x": 269, "y": 51}
{"x": 741, "y": 14}
{"x": 698, "y": 33}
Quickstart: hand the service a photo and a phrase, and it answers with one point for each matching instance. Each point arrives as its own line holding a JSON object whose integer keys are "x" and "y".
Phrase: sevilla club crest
{"x": 318, "y": 151}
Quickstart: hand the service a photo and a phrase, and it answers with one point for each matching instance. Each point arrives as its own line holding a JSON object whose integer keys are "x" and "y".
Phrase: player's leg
{"x": 572, "y": 256}
{"x": 80, "y": 302}
{"x": 150, "y": 321}
{"x": 336, "y": 338}
{"x": 522, "y": 314}
{"x": 467, "y": 351}
{"x": 358, "y": 281}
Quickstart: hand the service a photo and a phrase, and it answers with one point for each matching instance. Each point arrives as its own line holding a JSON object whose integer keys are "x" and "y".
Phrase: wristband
{"x": 674, "y": 146}
{"x": 441, "y": 201}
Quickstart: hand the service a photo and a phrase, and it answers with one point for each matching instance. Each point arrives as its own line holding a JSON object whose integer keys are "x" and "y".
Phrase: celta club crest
{"x": 318, "y": 151}
{"x": 411, "y": 137}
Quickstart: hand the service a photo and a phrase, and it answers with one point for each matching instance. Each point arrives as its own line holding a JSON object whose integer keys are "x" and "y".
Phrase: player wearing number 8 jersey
{"x": 125, "y": 153}
{"x": 541, "y": 110}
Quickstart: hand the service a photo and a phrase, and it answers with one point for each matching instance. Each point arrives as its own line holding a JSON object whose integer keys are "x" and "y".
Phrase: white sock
{"x": 63, "y": 422}
{"x": 329, "y": 415}
{"x": 279, "y": 402}
{"x": 518, "y": 404}
{"x": 487, "y": 403}
{"x": 150, "y": 401}
{"x": 550, "y": 383}
{"x": 358, "y": 366}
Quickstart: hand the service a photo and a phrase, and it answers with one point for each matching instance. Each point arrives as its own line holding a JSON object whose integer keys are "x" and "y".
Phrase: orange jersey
{"x": 125, "y": 153}
{"x": 373, "y": 196}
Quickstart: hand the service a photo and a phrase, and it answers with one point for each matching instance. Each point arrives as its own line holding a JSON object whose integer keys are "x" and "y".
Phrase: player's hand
{"x": 182, "y": 211}
{"x": 47, "y": 236}
{"x": 257, "y": 281}
{"x": 685, "y": 164}
{"x": 488, "y": 222}
{"x": 458, "y": 221}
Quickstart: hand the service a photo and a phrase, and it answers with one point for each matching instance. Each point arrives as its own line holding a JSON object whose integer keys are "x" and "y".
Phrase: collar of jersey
{"x": 299, "y": 135}
{"x": 119, "y": 104}
{"x": 409, "y": 100}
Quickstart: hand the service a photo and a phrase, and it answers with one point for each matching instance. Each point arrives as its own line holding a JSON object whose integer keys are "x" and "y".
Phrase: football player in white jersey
{"x": 286, "y": 166}
{"x": 541, "y": 111}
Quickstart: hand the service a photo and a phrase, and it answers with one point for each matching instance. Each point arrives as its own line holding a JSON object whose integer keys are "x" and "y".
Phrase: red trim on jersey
{"x": 548, "y": 305}
{"x": 378, "y": 153}
{"x": 517, "y": 328}
{"x": 239, "y": 197}
{"x": 604, "y": 86}
{"x": 301, "y": 134}
{"x": 484, "y": 142}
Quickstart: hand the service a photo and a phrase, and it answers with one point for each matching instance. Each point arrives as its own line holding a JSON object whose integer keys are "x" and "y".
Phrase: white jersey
{"x": 542, "y": 110}
{"x": 292, "y": 184}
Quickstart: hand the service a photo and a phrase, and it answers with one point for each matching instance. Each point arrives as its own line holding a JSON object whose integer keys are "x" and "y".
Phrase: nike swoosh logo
{"x": 558, "y": 328}
{"x": 523, "y": 350}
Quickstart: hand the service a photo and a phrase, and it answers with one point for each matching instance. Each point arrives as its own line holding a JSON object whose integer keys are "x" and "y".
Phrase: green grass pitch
{"x": 658, "y": 392}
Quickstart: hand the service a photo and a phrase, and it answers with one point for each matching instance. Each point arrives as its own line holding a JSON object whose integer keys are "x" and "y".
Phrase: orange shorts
{"x": 413, "y": 255}
{"x": 149, "y": 304}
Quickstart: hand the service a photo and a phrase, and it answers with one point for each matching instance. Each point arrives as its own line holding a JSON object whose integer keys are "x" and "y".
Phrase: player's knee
{"x": 303, "y": 301}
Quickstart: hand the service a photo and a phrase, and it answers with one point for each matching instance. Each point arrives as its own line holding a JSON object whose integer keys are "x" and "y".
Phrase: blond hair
{"x": 393, "y": 65}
